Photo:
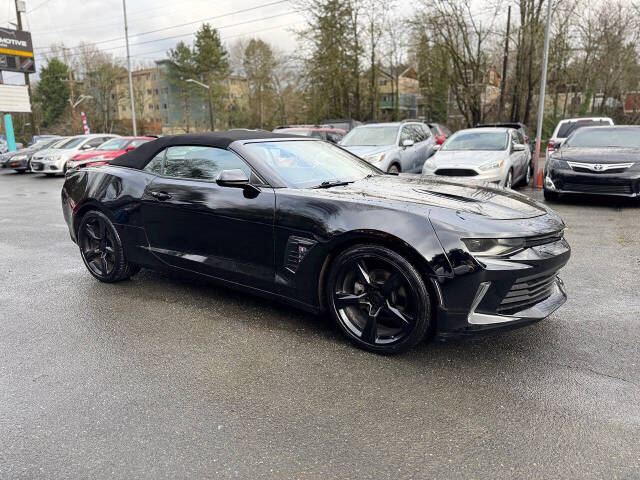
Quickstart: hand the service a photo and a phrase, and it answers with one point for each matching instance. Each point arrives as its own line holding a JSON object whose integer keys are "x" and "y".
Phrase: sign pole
{"x": 8, "y": 130}
{"x": 126, "y": 37}
{"x": 27, "y": 82}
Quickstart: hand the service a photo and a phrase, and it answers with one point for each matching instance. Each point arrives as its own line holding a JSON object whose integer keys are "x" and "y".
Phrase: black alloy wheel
{"x": 101, "y": 249}
{"x": 378, "y": 299}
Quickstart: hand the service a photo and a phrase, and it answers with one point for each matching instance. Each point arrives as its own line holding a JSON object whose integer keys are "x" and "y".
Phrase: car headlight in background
{"x": 492, "y": 165}
{"x": 429, "y": 165}
{"x": 378, "y": 157}
{"x": 493, "y": 247}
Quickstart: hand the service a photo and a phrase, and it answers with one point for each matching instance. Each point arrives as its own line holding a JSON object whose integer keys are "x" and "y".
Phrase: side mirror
{"x": 519, "y": 147}
{"x": 234, "y": 178}
{"x": 86, "y": 146}
{"x": 407, "y": 143}
{"x": 129, "y": 148}
{"x": 557, "y": 144}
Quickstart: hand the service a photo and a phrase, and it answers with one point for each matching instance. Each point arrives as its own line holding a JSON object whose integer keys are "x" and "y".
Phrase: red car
{"x": 107, "y": 151}
{"x": 440, "y": 132}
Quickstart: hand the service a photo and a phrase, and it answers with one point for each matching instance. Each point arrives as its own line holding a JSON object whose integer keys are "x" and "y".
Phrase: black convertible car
{"x": 595, "y": 160}
{"x": 391, "y": 258}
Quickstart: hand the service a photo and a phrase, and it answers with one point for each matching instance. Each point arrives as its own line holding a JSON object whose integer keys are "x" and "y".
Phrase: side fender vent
{"x": 297, "y": 248}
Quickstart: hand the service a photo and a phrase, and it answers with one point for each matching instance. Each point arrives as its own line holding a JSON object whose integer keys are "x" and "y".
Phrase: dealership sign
{"x": 16, "y": 51}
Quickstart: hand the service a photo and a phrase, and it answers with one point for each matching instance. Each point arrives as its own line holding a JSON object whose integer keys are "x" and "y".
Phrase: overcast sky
{"x": 74, "y": 21}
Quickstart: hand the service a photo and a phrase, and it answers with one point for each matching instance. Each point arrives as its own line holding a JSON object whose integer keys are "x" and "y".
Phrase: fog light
{"x": 52, "y": 167}
{"x": 549, "y": 184}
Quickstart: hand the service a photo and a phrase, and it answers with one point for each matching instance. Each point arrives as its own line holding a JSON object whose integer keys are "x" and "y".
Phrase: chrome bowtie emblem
{"x": 598, "y": 167}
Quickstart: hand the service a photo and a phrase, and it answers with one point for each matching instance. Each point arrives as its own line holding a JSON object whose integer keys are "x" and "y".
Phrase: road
{"x": 162, "y": 377}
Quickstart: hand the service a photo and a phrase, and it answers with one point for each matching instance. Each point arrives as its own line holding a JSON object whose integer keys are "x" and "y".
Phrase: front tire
{"x": 378, "y": 299}
{"x": 508, "y": 182}
{"x": 101, "y": 249}
{"x": 394, "y": 169}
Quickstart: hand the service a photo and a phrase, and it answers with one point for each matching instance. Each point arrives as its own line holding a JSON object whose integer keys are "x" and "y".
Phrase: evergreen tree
{"x": 212, "y": 65}
{"x": 181, "y": 67}
{"x": 259, "y": 64}
{"x": 52, "y": 92}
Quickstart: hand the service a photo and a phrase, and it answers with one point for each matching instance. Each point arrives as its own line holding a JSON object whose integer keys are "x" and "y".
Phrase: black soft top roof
{"x": 142, "y": 155}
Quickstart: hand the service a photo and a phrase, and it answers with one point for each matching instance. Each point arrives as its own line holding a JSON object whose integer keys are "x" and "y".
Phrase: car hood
{"x": 480, "y": 199}
{"x": 365, "y": 150}
{"x": 63, "y": 152}
{"x": 600, "y": 155}
{"x": 465, "y": 158}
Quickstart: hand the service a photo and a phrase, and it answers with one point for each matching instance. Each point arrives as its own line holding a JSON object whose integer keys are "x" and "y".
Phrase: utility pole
{"x": 27, "y": 82}
{"x": 126, "y": 36}
{"x": 503, "y": 80}
{"x": 72, "y": 99}
{"x": 543, "y": 86}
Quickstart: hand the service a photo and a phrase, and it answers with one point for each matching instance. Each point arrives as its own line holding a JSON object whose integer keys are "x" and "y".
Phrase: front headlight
{"x": 429, "y": 165}
{"x": 378, "y": 157}
{"x": 20, "y": 157}
{"x": 492, "y": 165}
{"x": 493, "y": 247}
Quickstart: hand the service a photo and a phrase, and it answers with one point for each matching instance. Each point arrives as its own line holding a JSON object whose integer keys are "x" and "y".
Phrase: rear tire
{"x": 378, "y": 299}
{"x": 101, "y": 249}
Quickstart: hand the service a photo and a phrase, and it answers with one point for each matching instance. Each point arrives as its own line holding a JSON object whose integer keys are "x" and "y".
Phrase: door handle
{"x": 161, "y": 195}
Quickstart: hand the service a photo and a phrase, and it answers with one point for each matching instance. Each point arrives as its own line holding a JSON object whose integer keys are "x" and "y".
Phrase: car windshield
{"x": 567, "y": 128}
{"x": 115, "y": 144}
{"x": 45, "y": 142}
{"x": 605, "y": 138}
{"x": 71, "y": 143}
{"x": 370, "y": 136}
{"x": 304, "y": 164}
{"x": 477, "y": 141}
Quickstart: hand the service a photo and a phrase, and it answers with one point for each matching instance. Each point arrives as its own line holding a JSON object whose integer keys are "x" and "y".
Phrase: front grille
{"x": 456, "y": 172}
{"x": 527, "y": 291}
{"x": 597, "y": 188}
{"x": 543, "y": 239}
{"x": 36, "y": 166}
{"x": 598, "y": 172}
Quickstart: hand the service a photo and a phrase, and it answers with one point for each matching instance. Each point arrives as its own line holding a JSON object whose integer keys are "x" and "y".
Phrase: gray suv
{"x": 393, "y": 147}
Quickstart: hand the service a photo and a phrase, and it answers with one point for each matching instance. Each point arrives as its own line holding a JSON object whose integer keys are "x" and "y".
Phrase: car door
{"x": 408, "y": 156}
{"x": 523, "y": 157}
{"x": 425, "y": 146}
{"x": 193, "y": 223}
{"x": 514, "y": 155}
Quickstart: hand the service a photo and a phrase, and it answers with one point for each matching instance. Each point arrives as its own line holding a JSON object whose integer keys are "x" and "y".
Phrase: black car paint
{"x": 598, "y": 183}
{"x": 243, "y": 237}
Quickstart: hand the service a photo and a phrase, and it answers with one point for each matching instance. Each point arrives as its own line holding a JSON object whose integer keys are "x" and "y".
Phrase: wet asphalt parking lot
{"x": 164, "y": 377}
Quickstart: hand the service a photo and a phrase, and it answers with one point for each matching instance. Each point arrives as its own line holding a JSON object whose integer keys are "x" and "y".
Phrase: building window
{"x": 157, "y": 106}
{"x": 124, "y": 108}
{"x": 148, "y": 91}
{"x": 164, "y": 106}
{"x": 156, "y": 91}
{"x": 382, "y": 82}
{"x": 150, "y": 106}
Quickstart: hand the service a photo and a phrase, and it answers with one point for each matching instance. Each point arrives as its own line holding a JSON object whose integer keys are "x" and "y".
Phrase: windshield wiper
{"x": 335, "y": 183}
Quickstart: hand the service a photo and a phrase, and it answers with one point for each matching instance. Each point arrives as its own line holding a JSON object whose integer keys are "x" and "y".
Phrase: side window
{"x": 95, "y": 142}
{"x": 201, "y": 163}
{"x": 426, "y": 131}
{"x": 155, "y": 165}
{"x": 405, "y": 134}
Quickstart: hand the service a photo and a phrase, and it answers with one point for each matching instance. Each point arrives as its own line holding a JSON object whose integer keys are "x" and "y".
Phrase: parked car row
{"x": 52, "y": 155}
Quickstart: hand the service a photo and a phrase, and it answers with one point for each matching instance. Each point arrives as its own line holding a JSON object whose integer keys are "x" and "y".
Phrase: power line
{"x": 183, "y": 34}
{"x": 185, "y": 24}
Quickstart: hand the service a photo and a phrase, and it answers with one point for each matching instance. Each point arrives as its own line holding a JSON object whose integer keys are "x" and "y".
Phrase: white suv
{"x": 568, "y": 126}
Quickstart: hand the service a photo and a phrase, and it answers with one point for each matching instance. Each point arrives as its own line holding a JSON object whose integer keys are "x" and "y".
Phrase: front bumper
{"x": 44, "y": 166}
{"x": 503, "y": 293}
{"x": 566, "y": 180}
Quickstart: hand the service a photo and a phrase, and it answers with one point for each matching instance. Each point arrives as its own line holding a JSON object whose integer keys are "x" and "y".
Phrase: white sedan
{"x": 54, "y": 160}
{"x": 494, "y": 155}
